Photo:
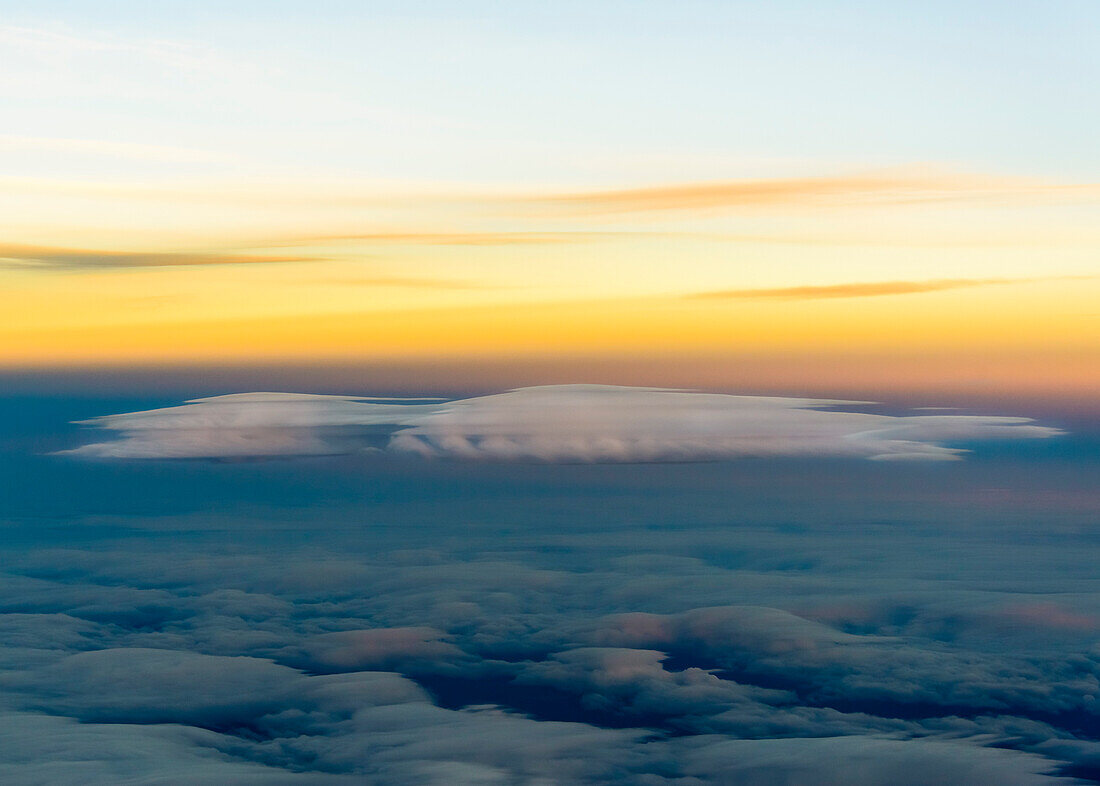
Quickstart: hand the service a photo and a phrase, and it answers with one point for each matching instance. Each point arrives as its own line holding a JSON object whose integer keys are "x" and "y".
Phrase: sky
{"x": 857, "y": 187}
{"x": 549, "y": 394}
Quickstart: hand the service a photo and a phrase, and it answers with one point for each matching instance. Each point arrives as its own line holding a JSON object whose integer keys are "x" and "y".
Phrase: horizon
{"x": 615, "y": 393}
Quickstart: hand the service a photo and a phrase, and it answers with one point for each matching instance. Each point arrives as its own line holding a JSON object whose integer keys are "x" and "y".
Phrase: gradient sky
{"x": 841, "y": 529}
{"x": 253, "y": 183}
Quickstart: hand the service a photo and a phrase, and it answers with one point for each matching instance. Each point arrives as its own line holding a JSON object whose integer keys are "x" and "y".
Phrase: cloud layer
{"x": 340, "y": 621}
{"x": 467, "y": 623}
{"x": 566, "y": 423}
{"x": 526, "y": 631}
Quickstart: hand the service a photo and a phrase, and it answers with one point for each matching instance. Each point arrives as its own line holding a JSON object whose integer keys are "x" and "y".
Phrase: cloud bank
{"x": 449, "y": 652}
{"x": 457, "y": 623}
{"x": 558, "y": 423}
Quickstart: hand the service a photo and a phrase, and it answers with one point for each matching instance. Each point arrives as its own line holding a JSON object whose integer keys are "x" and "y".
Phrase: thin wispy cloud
{"x": 851, "y": 190}
{"x": 428, "y": 238}
{"x": 110, "y": 149}
{"x": 47, "y": 45}
{"x": 407, "y": 283}
{"x": 889, "y": 187}
{"x": 868, "y": 289}
{"x": 20, "y": 257}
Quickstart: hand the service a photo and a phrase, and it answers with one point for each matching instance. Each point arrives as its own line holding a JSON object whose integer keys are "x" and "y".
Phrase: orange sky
{"x": 907, "y": 261}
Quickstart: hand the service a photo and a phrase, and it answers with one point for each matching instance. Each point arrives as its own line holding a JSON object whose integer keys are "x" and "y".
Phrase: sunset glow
{"x": 337, "y": 232}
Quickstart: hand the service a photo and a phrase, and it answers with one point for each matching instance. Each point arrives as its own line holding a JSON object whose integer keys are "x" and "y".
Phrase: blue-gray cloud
{"x": 335, "y": 621}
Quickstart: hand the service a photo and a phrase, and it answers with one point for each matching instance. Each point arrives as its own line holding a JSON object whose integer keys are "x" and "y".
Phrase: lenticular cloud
{"x": 557, "y": 423}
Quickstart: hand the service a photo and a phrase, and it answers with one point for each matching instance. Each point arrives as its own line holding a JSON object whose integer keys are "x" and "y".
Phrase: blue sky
{"x": 582, "y": 92}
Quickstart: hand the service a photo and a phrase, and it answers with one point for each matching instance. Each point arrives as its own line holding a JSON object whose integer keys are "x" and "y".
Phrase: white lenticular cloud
{"x": 556, "y": 423}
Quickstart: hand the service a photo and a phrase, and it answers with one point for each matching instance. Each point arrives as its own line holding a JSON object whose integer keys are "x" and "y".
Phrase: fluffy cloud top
{"x": 568, "y": 423}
